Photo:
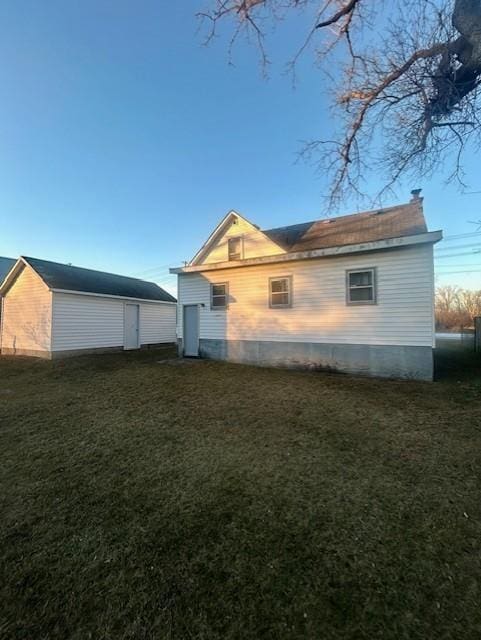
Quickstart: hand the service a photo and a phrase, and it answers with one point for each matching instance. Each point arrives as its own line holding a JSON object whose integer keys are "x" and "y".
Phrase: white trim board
{"x": 107, "y": 295}
{"x": 376, "y": 245}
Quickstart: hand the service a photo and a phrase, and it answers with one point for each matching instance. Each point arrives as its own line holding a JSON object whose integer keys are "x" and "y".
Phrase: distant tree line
{"x": 456, "y": 307}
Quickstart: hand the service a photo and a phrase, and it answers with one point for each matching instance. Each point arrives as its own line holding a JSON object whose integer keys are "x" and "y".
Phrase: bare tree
{"x": 447, "y": 298}
{"x": 456, "y": 307}
{"x": 404, "y": 79}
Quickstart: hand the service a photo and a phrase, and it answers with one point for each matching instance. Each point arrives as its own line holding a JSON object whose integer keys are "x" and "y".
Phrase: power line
{"x": 455, "y": 266}
{"x": 458, "y": 255}
{"x": 163, "y": 277}
{"x": 448, "y": 273}
{"x": 461, "y": 246}
{"x": 154, "y": 269}
{"x": 153, "y": 276}
{"x": 462, "y": 235}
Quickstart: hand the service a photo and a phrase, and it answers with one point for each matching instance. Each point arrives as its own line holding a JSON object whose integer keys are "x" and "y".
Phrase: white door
{"x": 191, "y": 330}
{"x": 131, "y": 326}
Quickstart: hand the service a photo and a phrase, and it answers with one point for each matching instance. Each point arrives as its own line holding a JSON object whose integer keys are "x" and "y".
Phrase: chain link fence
{"x": 464, "y": 339}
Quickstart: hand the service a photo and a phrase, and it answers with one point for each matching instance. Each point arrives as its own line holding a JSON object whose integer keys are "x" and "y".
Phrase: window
{"x": 280, "y": 292}
{"x": 235, "y": 248}
{"x": 219, "y": 295}
{"x": 361, "y": 286}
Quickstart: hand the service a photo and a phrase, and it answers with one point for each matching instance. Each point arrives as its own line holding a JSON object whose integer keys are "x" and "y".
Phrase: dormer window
{"x": 235, "y": 248}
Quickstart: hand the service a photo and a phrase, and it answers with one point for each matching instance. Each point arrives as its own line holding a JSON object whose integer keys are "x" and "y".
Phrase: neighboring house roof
{"x": 69, "y": 278}
{"x": 5, "y": 265}
{"x": 382, "y": 224}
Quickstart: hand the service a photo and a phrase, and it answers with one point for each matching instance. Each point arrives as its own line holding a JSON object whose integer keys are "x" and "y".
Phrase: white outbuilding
{"x": 54, "y": 310}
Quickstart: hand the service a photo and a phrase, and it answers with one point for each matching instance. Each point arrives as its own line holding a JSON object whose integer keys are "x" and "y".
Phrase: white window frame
{"x": 372, "y": 286}
{"x": 225, "y": 295}
{"x": 289, "y": 292}
{"x": 241, "y": 248}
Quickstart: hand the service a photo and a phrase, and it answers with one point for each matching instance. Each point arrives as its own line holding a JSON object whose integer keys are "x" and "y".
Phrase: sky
{"x": 124, "y": 140}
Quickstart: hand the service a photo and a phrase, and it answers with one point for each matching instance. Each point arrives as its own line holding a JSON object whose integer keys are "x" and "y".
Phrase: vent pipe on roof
{"x": 415, "y": 193}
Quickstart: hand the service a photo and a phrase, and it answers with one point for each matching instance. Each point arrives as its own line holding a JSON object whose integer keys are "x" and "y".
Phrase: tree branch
{"x": 343, "y": 11}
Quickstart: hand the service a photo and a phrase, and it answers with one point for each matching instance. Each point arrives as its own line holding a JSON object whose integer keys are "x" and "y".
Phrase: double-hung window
{"x": 234, "y": 247}
{"x": 219, "y": 295}
{"x": 361, "y": 286}
{"x": 280, "y": 292}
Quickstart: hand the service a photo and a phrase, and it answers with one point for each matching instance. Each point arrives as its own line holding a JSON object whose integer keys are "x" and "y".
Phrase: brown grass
{"x": 217, "y": 501}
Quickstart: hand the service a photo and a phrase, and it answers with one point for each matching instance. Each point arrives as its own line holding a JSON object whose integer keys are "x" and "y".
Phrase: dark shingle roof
{"x": 5, "y": 265}
{"x": 69, "y": 278}
{"x": 381, "y": 224}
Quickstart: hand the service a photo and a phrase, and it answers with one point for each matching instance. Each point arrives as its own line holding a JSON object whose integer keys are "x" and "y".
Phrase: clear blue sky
{"x": 123, "y": 140}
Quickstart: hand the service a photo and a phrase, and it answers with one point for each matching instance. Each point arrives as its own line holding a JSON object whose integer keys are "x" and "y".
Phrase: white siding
{"x": 403, "y": 315}
{"x": 157, "y": 323}
{"x": 86, "y": 322}
{"x": 27, "y": 313}
{"x": 255, "y": 243}
{"x": 91, "y": 322}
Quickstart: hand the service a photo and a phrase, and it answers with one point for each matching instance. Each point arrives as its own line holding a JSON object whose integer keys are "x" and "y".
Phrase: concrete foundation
{"x": 57, "y": 355}
{"x": 370, "y": 360}
{"x": 31, "y": 353}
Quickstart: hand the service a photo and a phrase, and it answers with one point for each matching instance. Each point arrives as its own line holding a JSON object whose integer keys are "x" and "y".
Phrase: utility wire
{"x": 459, "y": 236}
{"x": 455, "y": 266}
{"x": 448, "y": 273}
{"x": 458, "y": 255}
{"x": 154, "y": 269}
{"x": 461, "y": 246}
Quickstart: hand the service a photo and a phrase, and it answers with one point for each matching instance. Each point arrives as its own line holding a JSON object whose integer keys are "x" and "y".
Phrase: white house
{"x": 353, "y": 293}
{"x": 53, "y": 310}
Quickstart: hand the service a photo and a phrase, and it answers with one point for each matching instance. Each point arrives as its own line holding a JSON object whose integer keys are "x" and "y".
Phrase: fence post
{"x": 477, "y": 334}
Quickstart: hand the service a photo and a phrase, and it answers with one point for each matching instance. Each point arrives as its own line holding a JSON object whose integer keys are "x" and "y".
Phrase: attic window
{"x": 235, "y": 248}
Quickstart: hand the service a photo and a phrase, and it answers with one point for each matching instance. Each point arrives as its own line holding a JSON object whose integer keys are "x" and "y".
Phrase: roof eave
{"x": 430, "y": 237}
{"x": 110, "y": 295}
{"x": 12, "y": 274}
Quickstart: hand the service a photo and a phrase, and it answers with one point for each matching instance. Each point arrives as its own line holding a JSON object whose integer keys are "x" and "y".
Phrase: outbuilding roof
{"x": 368, "y": 226}
{"x": 69, "y": 278}
{"x": 5, "y": 265}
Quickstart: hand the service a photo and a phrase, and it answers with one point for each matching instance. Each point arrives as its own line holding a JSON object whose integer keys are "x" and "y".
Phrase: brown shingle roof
{"x": 381, "y": 224}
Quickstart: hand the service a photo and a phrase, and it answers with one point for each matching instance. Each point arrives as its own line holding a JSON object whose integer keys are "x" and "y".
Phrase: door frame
{"x": 132, "y": 304}
{"x": 197, "y": 306}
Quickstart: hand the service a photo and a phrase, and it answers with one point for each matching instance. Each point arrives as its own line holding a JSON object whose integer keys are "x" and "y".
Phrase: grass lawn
{"x": 216, "y": 501}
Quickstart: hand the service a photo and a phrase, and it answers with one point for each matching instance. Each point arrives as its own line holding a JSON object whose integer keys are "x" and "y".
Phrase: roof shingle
{"x": 382, "y": 224}
{"x": 5, "y": 265}
{"x": 69, "y": 278}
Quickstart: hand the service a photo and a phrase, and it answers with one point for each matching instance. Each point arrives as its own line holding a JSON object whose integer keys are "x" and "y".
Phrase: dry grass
{"x": 215, "y": 501}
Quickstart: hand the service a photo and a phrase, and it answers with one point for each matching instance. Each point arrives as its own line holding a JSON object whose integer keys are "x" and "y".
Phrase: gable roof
{"x": 223, "y": 224}
{"x": 69, "y": 278}
{"x": 6, "y": 264}
{"x": 392, "y": 227}
{"x": 368, "y": 226}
